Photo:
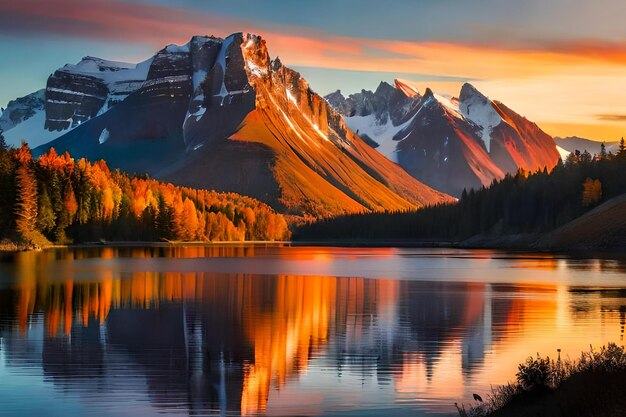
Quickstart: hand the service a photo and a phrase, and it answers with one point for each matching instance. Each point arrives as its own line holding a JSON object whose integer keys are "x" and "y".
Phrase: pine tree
{"x": 603, "y": 154}
{"x": 26, "y": 201}
{"x": 7, "y": 193}
{"x": 46, "y": 219}
{"x": 3, "y": 143}
{"x": 621, "y": 153}
{"x": 165, "y": 220}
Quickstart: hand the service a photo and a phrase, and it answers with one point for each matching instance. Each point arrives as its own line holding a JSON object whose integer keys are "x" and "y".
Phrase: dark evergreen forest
{"x": 522, "y": 203}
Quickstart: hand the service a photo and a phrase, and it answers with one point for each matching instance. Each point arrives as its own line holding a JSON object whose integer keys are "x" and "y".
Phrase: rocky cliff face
{"x": 76, "y": 93}
{"x": 450, "y": 144}
{"x": 219, "y": 113}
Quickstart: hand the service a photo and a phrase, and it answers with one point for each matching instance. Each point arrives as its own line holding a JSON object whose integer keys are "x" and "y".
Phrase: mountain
{"x": 450, "y": 144}
{"x": 573, "y": 143}
{"x": 219, "y": 113}
{"x": 73, "y": 95}
{"x": 24, "y": 116}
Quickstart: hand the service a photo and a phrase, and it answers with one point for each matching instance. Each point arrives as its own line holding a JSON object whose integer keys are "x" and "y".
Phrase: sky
{"x": 560, "y": 63}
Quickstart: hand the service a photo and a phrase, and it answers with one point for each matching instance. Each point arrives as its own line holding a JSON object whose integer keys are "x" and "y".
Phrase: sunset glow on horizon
{"x": 569, "y": 81}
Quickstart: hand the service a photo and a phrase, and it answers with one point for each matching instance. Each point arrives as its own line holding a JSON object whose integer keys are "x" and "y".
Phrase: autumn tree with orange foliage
{"x": 592, "y": 192}
{"x": 69, "y": 200}
{"x": 26, "y": 198}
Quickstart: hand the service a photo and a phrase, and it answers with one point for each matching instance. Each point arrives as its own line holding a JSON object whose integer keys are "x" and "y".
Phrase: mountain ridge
{"x": 452, "y": 143}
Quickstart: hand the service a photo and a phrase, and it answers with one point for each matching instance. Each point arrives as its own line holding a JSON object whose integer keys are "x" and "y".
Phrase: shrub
{"x": 540, "y": 375}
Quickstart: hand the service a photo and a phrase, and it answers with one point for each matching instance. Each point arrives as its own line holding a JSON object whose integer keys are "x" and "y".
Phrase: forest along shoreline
{"x": 55, "y": 200}
{"x": 580, "y": 205}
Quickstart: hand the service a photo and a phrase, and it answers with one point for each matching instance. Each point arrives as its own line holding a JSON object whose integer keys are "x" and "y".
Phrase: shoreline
{"x": 7, "y": 247}
{"x": 499, "y": 243}
{"x": 514, "y": 244}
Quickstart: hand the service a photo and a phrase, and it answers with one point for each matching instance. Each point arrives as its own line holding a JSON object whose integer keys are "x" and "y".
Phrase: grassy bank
{"x": 593, "y": 385}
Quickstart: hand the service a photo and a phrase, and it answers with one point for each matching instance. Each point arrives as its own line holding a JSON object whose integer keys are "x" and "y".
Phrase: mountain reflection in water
{"x": 202, "y": 343}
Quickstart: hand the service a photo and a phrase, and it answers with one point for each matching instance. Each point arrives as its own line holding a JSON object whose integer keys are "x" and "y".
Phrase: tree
{"x": 592, "y": 192}
{"x": 621, "y": 153}
{"x": 585, "y": 157}
{"x": 603, "y": 154}
{"x": 69, "y": 202}
{"x": 3, "y": 143}
{"x": 26, "y": 201}
{"x": 165, "y": 219}
{"x": 46, "y": 219}
{"x": 7, "y": 192}
{"x": 572, "y": 158}
{"x": 189, "y": 221}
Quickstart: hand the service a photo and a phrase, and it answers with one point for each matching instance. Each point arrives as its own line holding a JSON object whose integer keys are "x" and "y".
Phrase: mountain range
{"x": 449, "y": 143}
{"x": 216, "y": 113}
{"x": 221, "y": 114}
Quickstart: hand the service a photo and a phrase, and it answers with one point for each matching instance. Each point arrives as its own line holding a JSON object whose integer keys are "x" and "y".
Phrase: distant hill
{"x": 573, "y": 143}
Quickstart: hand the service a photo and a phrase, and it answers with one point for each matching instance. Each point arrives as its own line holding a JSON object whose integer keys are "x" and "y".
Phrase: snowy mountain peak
{"x": 447, "y": 141}
{"x": 406, "y": 87}
{"x": 468, "y": 91}
{"x": 92, "y": 64}
{"x": 450, "y": 104}
{"x": 434, "y": 100}
{"x": 477, "y": 108}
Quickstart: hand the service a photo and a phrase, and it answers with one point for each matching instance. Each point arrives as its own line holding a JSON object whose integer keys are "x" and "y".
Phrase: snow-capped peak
{"x": 173, "y": 48}
{"x": 448, "y": 104}
{"x": 110, "y": 71}
{"x": 406, "y": 87}
{"x": 477, "y": 108}
{"x": 91, "y": 64}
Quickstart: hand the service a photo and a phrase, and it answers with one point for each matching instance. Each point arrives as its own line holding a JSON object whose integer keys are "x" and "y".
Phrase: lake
{"x": 288, "y": 331}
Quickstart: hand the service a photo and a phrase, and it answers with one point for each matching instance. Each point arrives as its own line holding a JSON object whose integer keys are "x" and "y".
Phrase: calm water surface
{"x": 287, "y": 331}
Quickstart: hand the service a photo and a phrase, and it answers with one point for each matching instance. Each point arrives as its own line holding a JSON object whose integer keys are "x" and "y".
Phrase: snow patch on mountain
{"x": 197, "y": 78}
{"x": 449, "y": 104}
{"x": 478, "y": 109}
{"x": 563, "y": 152}
{"x": 290, "y": 97}
{"x": 32, "y": 131}
{"x": 111, "y": 72}
{"x": 180, "y": 49}
{"x": 21, "y": 109}
{"x": 221, "y": 61}
{"x": 381, "y": 133}
{"x": 104, "y": 136}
